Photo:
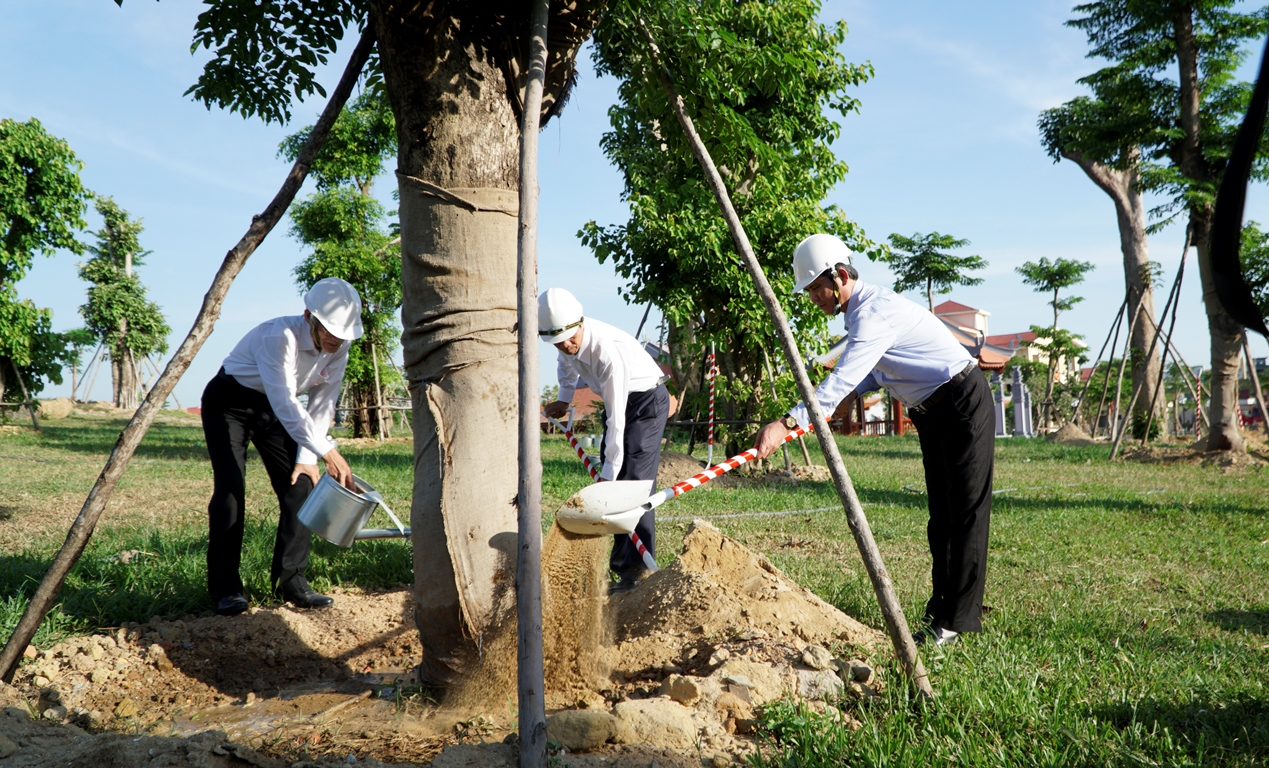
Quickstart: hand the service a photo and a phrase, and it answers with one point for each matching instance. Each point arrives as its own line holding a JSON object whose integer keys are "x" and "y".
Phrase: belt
{"x": 938, "y": 395}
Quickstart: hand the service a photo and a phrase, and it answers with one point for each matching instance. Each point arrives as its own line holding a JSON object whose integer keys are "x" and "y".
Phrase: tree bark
{"x": 1225, "y": 332}
{"x": 1123, "y": 188}
{"x": 454, "y": 74}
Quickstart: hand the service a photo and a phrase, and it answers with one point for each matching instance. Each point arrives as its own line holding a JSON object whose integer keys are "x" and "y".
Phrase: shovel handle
{"x": 594, "y": 473}
{"x": 695, "y": 481}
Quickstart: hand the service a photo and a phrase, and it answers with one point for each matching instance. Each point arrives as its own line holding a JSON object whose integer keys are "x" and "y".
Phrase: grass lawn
{"x": 1129, "y": 620}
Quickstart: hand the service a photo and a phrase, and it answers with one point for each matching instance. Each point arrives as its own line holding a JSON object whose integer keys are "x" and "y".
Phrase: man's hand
{"x": 307, "y": 470}
{"x": 770, "y": 438}
{"x": 557, "y": 409}
{"x": 338, "y": 468}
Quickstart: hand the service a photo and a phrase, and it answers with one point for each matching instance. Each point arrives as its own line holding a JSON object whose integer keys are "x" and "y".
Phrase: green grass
{"x": 1129, "y": 620}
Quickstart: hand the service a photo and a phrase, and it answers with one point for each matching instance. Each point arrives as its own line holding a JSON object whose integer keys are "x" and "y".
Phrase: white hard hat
{"x": 559, "y": 314}
{"x": 336, "y": 306}
{"x": 814, "y": 256}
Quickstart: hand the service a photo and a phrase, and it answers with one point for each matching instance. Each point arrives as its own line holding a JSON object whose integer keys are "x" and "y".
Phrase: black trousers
{"x": 646, "y": 414}
{"x": 958, "y": 443}
{"x": 234, "y": 415}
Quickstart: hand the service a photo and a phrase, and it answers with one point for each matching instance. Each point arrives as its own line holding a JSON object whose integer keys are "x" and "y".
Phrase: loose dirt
{"x": 1069, "y": 434}
{"x": 682, "y": 659}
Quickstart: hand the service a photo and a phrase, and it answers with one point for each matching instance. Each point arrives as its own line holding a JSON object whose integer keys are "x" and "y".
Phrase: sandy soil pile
{"x": 1069, "y": 434}
{"x": 1229, "y": 461}
{"x": 679, "y": 664}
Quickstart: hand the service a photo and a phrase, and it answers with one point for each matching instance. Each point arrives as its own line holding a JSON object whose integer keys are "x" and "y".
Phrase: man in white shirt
{"x": 636, "y": 405}
{"x": 896, "y": 344}
{"x": 255, "y": 398}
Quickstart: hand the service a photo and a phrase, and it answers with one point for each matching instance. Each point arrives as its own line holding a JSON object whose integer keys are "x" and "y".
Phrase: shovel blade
{"x": 605, "y": 508}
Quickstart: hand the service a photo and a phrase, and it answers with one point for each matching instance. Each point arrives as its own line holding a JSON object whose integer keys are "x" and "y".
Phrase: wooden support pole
{"x": 1112, "y": 430}
{"x": 1173, "y": 304}
{"x": 374, "y": 358}
{"x": 896, "y": 624}
{"x": 82, "y": 529}
{"x": 1114, "y": 327}
{"x": 530, "y": 670}
{"x": 26, "y": 398}
{"x": 1255, "y": 381}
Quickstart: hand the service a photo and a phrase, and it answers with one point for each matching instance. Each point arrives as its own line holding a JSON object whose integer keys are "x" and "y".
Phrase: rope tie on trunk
{"x": 428, "y": 188}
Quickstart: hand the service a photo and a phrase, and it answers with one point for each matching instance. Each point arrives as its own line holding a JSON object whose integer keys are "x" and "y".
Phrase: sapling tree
{"x": 926, "y": 261}
{"x": 1181, "y": 58}
{"x": 127, "y": 323}
{"x": 761, "y": 81}
{"x": 42, "y": 204}
{"x": 1051, "y": 277}
{"x": 344, "y": 225}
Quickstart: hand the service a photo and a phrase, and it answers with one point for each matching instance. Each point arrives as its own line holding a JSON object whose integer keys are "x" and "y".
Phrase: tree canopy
{"x": 759, "y": 80}
{"x": 923, "y": 261}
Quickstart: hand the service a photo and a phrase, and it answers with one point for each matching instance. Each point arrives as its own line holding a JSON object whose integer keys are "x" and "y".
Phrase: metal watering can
{"x": 338, "y": 514}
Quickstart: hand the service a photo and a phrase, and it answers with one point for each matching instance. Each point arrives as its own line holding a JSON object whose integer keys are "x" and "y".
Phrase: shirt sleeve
{"x": 567, "y": 377}
{"x": 322, "y": 399}
{"x": 868, "y": 342}
{"x": 277, "y": 366}
{"x": 616, "y": 389}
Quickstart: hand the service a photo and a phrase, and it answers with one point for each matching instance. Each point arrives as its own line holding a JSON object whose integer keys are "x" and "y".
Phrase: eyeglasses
{"x": 554, "y": 331}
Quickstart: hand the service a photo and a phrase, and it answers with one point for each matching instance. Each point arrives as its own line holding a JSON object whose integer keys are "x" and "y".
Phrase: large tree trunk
{"x": 454, "y": 77}
{"x": 1226, "y": 334}
{"x": 1122, "y": 186}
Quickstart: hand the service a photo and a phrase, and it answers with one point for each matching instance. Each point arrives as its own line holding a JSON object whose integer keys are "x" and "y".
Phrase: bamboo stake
{"x": 896, "y": 624}
{"x": 1110, "y": 366}
{"x": 1167, "y": 342}
{"x": 98, "y": 358}
{"x": 530, "y": 672}
{"x": 1173, "y": 303}
{"x": 26, "y": 396}
{"x": 1187, "y": 375}
{"x": 1255, "y": 380}
{"x": 1113, "y": 328}
{"x": 82, "y": 529}
{"x": 374, "y": 358}
{"x": 1114, "y": 427}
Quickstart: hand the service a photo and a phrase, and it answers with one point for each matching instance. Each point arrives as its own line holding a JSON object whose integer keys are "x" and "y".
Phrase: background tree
{"x": 344, "y": 225}
{"x": 1254, "y": 255}
{"x": 1052, "y": 276}
{"x": 923, "y": 261}
{"x": 1103, "y": 135}
{"x": 760, "y": 80}
{"x": 1184, "y": 56}
{"x": 77, "y": 342}
{"x": 454, "y": 72}
{"x": 42, "y": 203}
{"x": 129, "y": 325}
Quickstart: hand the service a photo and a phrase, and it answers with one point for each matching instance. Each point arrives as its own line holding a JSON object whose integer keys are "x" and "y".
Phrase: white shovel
{"x": 616, "y": 507}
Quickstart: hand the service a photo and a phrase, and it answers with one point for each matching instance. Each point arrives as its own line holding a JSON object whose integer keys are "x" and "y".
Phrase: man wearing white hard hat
{"x": 899, "y": 345}
{"x": 636, "y": 405}
{"x": 255, "y": 398}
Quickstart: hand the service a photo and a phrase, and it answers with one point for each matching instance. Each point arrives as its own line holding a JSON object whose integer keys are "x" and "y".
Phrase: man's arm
{"x": 616, "y": 391}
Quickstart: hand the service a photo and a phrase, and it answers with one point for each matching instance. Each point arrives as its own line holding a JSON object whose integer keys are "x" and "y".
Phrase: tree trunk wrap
{"x": 459, "y": 345}
{"x": 1226, "y": 349}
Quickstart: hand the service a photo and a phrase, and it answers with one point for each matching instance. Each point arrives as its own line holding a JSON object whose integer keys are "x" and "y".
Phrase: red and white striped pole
{"x": 695, "y": 481}
{"x": 648, "y": 561}
{"x": 711, "y": 372}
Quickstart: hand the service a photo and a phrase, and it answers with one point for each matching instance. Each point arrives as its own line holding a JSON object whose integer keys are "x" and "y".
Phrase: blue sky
{"x": 945, "y": 141}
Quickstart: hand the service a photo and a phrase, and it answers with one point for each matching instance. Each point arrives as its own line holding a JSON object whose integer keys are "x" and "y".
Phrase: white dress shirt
{"x": 891, "y": 343}
{"x": 613, "y": 364}
{"x": 278, "y": 357}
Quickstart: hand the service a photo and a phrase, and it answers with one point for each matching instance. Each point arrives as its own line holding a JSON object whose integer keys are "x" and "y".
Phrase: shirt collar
{"x": 305, "y": 334}
{"x": 853, "y": 302}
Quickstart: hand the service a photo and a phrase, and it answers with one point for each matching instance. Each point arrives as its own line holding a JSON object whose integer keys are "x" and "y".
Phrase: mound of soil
{"x": 1069, "y": 434}
{"x": 1228, "y": 461}
{"x": 678, "y": 664}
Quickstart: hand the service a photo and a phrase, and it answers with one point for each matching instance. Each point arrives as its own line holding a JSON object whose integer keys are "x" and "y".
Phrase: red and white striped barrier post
{"x": 648, "y": 561}
{"x": 711, "y": 373}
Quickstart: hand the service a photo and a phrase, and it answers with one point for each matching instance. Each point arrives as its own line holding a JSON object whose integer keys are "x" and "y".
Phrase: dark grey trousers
{"x": 646, "y": 414}
{"x": 958, "y": 449}
{"x": 233, "y": 416}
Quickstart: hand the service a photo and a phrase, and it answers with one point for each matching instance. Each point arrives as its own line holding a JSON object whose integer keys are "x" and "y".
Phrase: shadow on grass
{"x": 162, "y": 441}
{"x": 1199, "y": 732}
{"x": 166, "y": 574}
{"x": 1235, "y": 620}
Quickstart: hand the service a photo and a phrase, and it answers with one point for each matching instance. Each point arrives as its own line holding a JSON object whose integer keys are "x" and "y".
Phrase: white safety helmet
{"x": 815, "y": 255}
{"x": 336, "y": 306}
{"x": 559, "y": 314}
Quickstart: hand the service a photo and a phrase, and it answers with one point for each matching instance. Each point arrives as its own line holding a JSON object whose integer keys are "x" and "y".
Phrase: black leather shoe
{"x": 231, "y": 605}
{"x": 935, "y": 636}
{"x": 307, "y": 598}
